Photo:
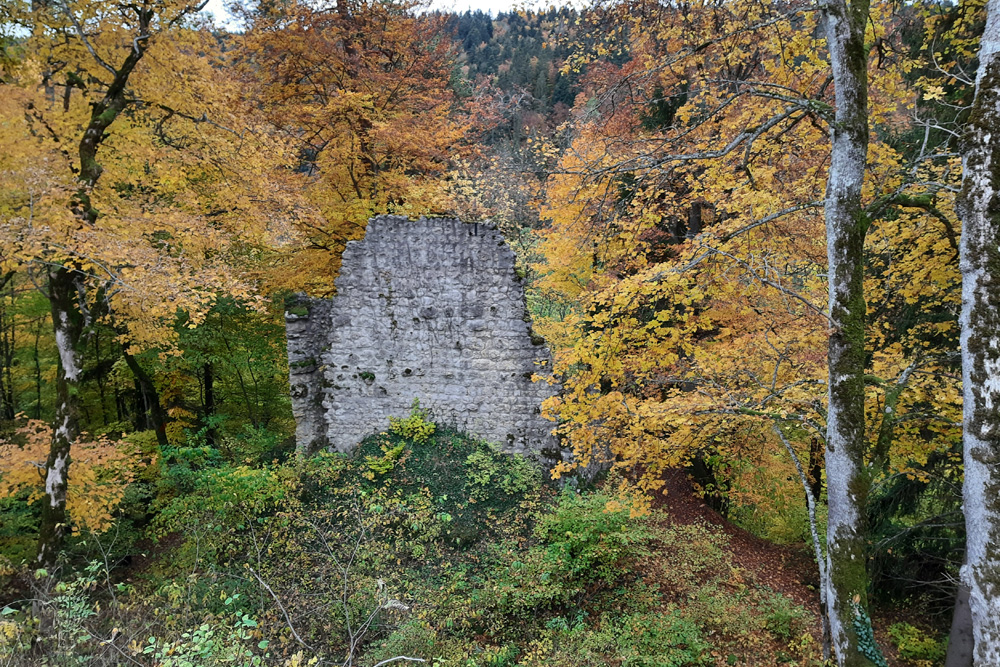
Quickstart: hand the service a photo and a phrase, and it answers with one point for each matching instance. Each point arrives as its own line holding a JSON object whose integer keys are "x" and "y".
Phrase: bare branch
{"x": 398, "y": 657}
{"x": 764, "y": 281}
{"x": 814, "y": 533}
{"x": 83, "y": 38}
{"x": 281, "y": 607}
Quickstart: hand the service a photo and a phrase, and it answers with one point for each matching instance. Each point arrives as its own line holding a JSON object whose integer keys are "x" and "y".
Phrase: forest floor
{"x": 787, "y": 569}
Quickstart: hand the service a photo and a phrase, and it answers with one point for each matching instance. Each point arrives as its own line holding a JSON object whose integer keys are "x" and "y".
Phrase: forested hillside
{"x": 760, "y": 240}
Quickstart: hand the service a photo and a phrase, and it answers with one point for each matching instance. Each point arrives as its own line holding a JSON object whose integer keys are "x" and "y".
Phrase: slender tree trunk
{"x": 140, "y": 415}
{"x": 209, "y": 402}
{"x": 67, "y": 322}
{"x": 251, "y": 406}
{"x": 38, "y": 374}
{"x": 979, "y": 208}
{"x": 8, "y": 342}
{"x": 101, "y": 378}
{"x": 816, "y": 468}
{"x": 154, "y": 410}
{"x": 847, "y": 481}
{"x": 811, "y": 502}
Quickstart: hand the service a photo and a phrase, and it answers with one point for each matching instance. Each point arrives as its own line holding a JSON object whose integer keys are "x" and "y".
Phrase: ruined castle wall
{"x": 429, "y": 309}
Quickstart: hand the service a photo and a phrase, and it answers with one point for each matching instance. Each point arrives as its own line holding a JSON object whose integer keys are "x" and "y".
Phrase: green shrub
{"x": 454, "y": 551}
{"x": 18, "y": 530}
{"x": 379, "y": 465}
{"x": 184, "y": 467}
{"x": 490, "y": 471}
{"x": 783, "y": 618}
{"x": 657, "y": 639}
{"x": 255, "y": 446}
{"x": 230, "y": 642}
{"x": 229, "y": 496}
{"x": 221, "y": 505}
{"x": 917, "y": 646}
{"x": 530, "y": 583}
{"x": 588, "y": 541}
{"x": 580, "y": 543}
{"x": 417, "y": 427}
{"x": 468, "y": 482}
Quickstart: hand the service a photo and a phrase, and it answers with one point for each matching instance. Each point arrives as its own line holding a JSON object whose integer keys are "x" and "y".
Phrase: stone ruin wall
{"x": 430, "y": 309}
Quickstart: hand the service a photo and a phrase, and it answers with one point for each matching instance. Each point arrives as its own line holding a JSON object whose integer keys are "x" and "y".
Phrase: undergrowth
{"x": 426, "y": 544}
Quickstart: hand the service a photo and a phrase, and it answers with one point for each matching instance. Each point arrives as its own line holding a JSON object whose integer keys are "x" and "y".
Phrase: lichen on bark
{"x": 846, "y": 226}
{"x": 979, "y": 208}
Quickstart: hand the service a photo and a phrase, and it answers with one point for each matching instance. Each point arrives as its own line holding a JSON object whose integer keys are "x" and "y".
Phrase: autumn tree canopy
{"x": 361, "y": 90}
{"x": 686, "y": 229}
{"x": 745, "y": 230}
{"x": 124, "y": 197}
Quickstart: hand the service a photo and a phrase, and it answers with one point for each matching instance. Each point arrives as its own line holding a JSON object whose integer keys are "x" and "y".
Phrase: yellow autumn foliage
{"x": 687, "y": 228}
{"x": 101, "y": 472}
{"x": 194, "y": 186}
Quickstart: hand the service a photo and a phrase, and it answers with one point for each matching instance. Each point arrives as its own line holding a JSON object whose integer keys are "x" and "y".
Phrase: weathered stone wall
{"x": 429, "y": 309}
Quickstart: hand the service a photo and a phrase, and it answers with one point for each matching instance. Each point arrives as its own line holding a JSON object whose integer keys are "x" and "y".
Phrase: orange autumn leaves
{"x": 191, "y": 184}
{"x": 101, "y": 471}
{"x": 362, "y": 91}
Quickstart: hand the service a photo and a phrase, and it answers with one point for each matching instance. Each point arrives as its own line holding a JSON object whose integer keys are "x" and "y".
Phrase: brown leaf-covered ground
{"x": 786, "y": 569}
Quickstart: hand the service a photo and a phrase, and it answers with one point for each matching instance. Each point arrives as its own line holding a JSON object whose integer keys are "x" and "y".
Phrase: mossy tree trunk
{"x": 67, "y": 297}
{"x": 68, "y": 325}
{"x": 846, "y": 225}
{"x": 979, "y": 208}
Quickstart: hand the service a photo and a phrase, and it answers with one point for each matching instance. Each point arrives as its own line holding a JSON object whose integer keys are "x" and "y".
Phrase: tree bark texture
{"x": 979, "y": 208}
{"x": 67, "y": 322}
{"x": 846, "y": 225}
{"x": 960, "y": 644}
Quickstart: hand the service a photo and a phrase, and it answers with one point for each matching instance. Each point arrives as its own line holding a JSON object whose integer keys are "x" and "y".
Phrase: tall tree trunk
{"x": 816, "y": 468}
{"x": 101, "y": 378}
{"x": 979, "y": 207}
{"x": 154, "y": 409}
{"x": 847, "y": 481}
{"x": 38, "y": 373}
{"x": 67, "y": 322}
{"x": 8, "y": 344}
{"x": 67, "y": 289}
